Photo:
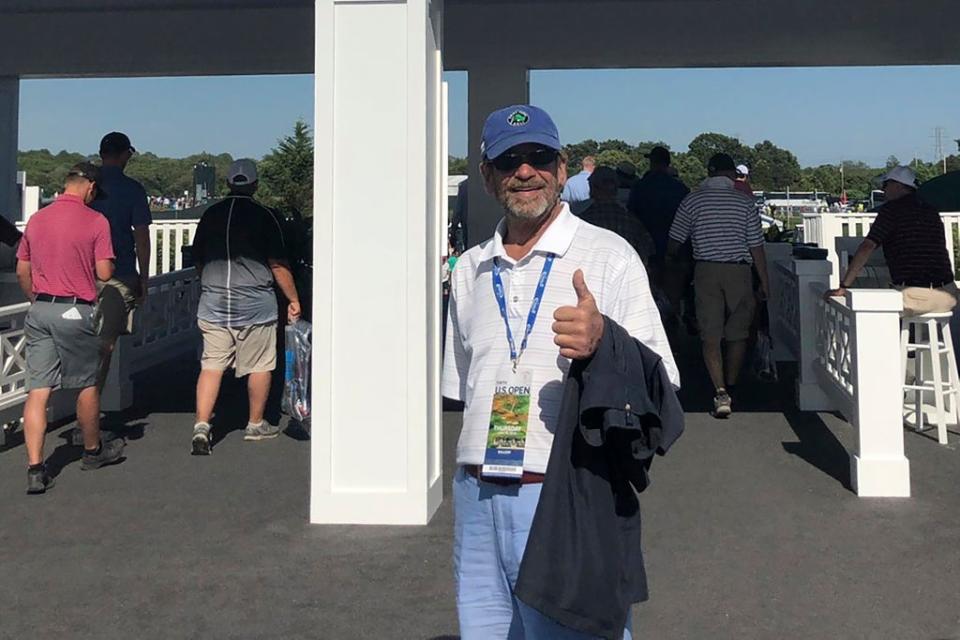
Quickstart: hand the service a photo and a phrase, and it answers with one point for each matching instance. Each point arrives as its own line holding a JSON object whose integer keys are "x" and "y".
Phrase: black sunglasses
{"x": 539, "y": 159}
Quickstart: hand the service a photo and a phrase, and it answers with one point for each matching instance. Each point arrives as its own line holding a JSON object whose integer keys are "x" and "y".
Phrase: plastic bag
{"x": 296, "y": 380}
{"x": 764, "y": 366}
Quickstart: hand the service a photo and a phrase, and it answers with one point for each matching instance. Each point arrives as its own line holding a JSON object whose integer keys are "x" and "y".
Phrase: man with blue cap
{"x": 541, "y": 261}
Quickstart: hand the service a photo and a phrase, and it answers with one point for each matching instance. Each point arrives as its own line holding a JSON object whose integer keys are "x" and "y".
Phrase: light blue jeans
{"x": 491, "y": 525}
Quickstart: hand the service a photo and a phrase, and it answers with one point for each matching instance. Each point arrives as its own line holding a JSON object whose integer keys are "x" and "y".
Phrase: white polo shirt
{"x": 477, "y": 348}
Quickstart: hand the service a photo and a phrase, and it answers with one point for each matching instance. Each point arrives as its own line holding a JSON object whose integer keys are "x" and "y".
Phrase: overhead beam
{"x": 702, "y": 33}
{"x": 188, "y": 41}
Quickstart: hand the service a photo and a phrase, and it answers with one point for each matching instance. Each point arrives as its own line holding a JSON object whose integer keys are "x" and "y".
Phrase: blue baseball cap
{"x": 518, "y": 124}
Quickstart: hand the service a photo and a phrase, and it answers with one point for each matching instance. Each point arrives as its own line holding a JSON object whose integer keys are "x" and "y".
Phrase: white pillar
{"x": 9, "y": 129}
{"x": 378, "y": 193}
{"x": 488, "y": 88}
{"x": 878, "y": 466}
{"x": 831, "y": 228}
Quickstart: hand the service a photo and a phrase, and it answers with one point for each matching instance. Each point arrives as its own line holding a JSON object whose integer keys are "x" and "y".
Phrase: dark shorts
{"x": 116, "y": 301}
{"x": 63, "y": 349}
{"x": 725, "y": 300}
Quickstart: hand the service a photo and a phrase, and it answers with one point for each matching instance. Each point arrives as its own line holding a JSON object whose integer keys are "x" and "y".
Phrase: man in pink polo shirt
{"x": 65, "y": 249}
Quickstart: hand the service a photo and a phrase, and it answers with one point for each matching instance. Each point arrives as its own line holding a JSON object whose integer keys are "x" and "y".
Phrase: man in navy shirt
{"x": 127, "y": 211}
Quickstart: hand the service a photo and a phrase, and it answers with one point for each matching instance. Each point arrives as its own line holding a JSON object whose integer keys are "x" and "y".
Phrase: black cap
{"x": 721, "y": 162}
{"x": 660, "y": 155}
{"x": 89, "y": 171}
{"x": 115, "y": 142}
{"x": 627, "y": 169}
{"x": 604, "y": 176}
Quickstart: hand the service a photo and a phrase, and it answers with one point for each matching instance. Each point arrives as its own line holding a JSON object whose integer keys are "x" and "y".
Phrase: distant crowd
{"x": 166, "y": 203}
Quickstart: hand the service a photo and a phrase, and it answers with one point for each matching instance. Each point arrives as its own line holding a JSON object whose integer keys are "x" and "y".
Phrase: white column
{"x": 9, "y": 129}
{"x": 878, "y": 466}
{"x": 488, "y": 88}
{"x": 378, "y": 193}
{"x": 810, "y": 395}
{"x": 831, "y": 228}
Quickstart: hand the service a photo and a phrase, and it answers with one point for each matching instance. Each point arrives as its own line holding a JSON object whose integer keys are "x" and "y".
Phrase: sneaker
{"x": 722, "y": 404}
{"x": 38, "y": 481}
{"x": 262, "y": 431}
{"x": 201, "y": 439}
{"x": 110, "y": 452}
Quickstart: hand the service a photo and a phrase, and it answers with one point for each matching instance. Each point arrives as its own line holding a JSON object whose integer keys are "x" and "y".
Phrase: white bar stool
{"x": 929, "y": 328}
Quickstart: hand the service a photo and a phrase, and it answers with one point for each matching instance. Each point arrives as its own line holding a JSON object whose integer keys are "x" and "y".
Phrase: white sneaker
{"x": 201, "y": 439}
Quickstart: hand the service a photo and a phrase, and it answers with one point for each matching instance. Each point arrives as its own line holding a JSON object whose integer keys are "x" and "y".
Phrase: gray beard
{"x": 527, "y": 218}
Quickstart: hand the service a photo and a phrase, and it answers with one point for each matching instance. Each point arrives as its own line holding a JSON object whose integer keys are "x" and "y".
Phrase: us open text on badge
{"x": 509, "y": 416}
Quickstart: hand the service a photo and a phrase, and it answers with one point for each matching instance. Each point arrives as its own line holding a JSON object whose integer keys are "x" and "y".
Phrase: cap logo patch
{"x": 518, "y": 118}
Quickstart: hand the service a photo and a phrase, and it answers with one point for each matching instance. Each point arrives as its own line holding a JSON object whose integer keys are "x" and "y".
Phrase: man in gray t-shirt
{"x": 239, "y": 251}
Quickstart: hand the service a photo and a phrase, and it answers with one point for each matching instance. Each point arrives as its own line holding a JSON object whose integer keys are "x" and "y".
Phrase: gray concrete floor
{"x": 751, "y": 531}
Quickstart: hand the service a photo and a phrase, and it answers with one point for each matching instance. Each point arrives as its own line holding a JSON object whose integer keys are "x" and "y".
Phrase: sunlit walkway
{"x": 750, "y": 533}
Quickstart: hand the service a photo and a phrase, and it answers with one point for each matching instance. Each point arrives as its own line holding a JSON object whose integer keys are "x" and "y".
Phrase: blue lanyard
{"x": 534, "y": 307}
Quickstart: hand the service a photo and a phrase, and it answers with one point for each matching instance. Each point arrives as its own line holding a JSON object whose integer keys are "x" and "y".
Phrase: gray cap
{"x": 242, "y": 172}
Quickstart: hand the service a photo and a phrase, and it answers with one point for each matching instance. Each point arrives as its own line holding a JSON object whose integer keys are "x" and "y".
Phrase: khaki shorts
{"x": 725, "y": 300}
{"x": 920, "y": 300}
{"x": 250, "y": 349}
{"x": 116, "y": 301}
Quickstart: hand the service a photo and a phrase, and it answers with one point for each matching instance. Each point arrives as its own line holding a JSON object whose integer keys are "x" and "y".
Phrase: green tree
{"x": 773, "y": 168}
{"x": 707, "y": 144}
{"x": 456, "y": 166}
{"x": 692, "y": 171}
{"x": 286, "y": 173}
{"x": 46, "y": 170}
{"x": 612, "y": 157}
{"x": 825, "y": 179}
{"x": 577, "y": 152}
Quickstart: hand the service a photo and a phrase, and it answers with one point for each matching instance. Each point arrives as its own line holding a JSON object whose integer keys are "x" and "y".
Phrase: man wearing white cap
{"x": 742, "y": 183}
{"x": 239, "y": 251}
{"x": 912, "y": 236}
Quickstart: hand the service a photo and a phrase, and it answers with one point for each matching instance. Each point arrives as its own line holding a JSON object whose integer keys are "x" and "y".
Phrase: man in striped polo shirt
{"x": 724, "y": 225}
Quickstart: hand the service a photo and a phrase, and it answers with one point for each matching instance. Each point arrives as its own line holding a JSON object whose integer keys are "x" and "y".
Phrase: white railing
{"x": 13, "y": 375}
{"x": 165, "y": 328}
{"x": 834, "y": 349}
{"x": 858, "y": 363}
{"x": 793, "y": 323}
{"x": 823, "y": 229}
{"x": 167, "y": 239}
{"x": 848, "y": 357}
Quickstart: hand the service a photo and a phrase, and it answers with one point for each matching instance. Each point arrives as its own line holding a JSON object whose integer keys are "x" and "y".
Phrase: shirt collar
{"x": 556, "y": 239}
{"x": 717, "y": 182}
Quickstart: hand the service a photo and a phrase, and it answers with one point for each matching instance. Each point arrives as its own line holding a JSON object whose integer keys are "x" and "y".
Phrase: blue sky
{"x": 822, "y": 115}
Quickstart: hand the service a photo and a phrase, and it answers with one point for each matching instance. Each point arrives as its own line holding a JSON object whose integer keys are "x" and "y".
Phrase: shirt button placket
{"x": 516, "y": 290}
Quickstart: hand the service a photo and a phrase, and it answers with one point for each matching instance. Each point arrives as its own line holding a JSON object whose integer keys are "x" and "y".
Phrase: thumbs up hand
{"x": 578, "y": 329}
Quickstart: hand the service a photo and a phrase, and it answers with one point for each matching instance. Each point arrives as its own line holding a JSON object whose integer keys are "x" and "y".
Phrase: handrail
{"x": 165, "y": 327}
